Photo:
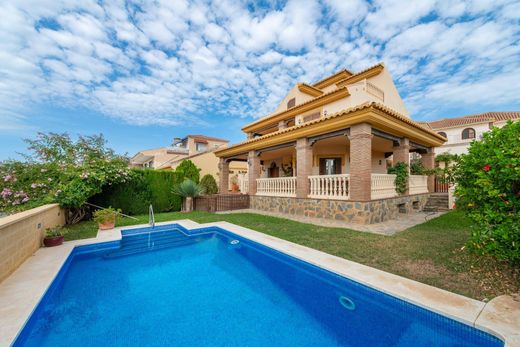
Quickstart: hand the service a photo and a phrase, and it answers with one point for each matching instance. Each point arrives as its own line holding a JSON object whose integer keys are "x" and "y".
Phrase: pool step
{"x": 140, "y": 243}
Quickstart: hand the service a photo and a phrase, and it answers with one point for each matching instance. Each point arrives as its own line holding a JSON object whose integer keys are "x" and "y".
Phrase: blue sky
{"x": 144, "y": 72}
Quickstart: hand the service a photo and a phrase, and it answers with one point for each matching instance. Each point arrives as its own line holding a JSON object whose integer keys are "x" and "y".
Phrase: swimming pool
{"x": 217, "y": 288}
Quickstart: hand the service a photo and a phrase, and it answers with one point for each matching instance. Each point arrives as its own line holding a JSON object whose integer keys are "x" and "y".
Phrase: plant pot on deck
{"x": 106, "y": 225}
{"x": 53, "y": 241}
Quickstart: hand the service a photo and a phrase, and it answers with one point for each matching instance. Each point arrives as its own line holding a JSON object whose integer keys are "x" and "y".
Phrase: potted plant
{"x": 234, "y": 183}
{"x": 188, "y": 190}
{"x": 106, "y": 218}
{"x": 53, "y": 237}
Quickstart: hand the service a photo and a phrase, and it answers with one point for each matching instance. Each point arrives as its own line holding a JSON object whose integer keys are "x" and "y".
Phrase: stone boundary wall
{"x": 360, "y": 212}
{"x": 21, "y": 235}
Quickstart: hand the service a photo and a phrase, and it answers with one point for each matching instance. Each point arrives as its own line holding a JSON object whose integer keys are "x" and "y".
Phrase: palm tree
{"x": 188, "y": 190}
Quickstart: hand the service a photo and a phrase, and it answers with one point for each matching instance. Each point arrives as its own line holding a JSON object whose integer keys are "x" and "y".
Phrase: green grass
{"x": 432, "y": 252}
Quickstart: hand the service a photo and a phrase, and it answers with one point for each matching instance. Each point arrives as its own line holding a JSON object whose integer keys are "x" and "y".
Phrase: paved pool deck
{"x": 391, "y": 227}
{"x": 21, "y": 292}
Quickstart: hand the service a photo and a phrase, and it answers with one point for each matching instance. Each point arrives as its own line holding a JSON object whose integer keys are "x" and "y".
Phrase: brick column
{"x": 223, "y": 176}
{"x": 253, "y": 171}
{"x": 360, "y": 162}
{"x": 401, "y": 154}
{"x": 303, "y": 167}
{"x": 428, "y": 161}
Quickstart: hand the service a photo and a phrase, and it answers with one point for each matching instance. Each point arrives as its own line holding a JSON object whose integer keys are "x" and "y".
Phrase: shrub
{"x": 188, "y": 189}
{"x": 447, "y": 173}
{"x": 188, "y": 170}
{"x": 400, "y": 170}
{"x": 417, "y": 167}
{"x": 209, "y": 184}
{"x": 59, "y": 169}
{"x": 144, "y": 187}
{"x": 488, "y": 191}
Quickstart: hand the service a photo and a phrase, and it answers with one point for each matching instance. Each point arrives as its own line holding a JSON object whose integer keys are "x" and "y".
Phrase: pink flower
{"x": 49, "y": 179}
{"x": 25, "y": 199}
{"x": 6, "y": 192}
{"x": 34, "y": 185}
{"x": 486, "y": 168}
{"x": 8, "y": 178}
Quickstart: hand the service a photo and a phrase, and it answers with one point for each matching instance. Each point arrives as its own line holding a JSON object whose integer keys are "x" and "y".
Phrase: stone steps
{"x": 437, "y": 202}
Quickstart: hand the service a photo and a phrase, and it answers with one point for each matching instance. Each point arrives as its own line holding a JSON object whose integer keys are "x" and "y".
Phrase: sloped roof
{"x": 473, "y": 119}
{"x": 203, "y": 138}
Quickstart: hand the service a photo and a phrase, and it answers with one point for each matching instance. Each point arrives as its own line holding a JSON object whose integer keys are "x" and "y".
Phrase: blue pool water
{"x": 168, "y": 289}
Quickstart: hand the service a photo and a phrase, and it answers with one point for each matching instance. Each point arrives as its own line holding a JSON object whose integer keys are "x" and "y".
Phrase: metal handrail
{"x": 151, "y": 217}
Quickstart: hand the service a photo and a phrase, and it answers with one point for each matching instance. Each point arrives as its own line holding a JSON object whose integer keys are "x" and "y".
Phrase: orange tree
{"x": 488, "y": 190}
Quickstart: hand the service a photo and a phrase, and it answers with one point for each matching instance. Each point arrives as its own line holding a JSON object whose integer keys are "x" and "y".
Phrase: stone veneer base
{"x": 360, "y": 212}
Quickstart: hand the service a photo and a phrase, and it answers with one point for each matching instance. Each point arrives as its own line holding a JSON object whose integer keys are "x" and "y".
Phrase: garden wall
{"x": 360, "y": 212}
{"x": 21, "y": 235}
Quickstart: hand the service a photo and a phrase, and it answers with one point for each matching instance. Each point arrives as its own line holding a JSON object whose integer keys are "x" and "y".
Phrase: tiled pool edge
{"x": 21, "y": 292}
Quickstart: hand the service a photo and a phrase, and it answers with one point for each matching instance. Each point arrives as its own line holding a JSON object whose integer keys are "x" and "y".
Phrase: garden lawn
{"x": 431, "y": 253}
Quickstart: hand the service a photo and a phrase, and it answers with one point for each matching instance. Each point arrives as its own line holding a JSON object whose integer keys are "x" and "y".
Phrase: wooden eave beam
{"x": 374, "y": 71}
{"x": 310, "y": 90}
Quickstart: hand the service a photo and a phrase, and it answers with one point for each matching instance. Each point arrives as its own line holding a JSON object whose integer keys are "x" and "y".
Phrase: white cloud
{"x": 169, "y": 62}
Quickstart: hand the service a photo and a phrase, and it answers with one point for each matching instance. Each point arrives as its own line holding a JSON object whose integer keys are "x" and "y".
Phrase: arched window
{"x": 442, "y": 133}
{"x": 291, "y": 103}
{"x": 468, "y": 133}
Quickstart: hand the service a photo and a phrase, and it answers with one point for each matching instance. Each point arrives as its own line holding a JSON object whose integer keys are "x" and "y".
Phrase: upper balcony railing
{"x": 329, "y": 186}
{"x": 279, "y": 186}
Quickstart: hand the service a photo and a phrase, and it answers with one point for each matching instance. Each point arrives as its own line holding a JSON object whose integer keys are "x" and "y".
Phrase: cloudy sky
{"x": 143, "y": 72}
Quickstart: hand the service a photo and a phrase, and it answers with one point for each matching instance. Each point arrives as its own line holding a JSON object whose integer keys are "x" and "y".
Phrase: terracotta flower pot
{"x": 53, "y": 241}
{"x": 106, "y": 225}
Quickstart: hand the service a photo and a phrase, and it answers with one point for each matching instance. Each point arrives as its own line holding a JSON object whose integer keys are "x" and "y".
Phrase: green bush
{"x": 188, "y": 170}
{"x": 400, "y": 170}
{"x": 488, "y": 191}
{"x": 209, "y": 184}
{"x": 144, "y": 187}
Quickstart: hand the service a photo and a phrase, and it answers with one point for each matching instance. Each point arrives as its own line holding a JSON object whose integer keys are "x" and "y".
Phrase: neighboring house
{"x": 323, "y": 152}
{"x": 197, "y": 148}
{"x": 461, "y": 131}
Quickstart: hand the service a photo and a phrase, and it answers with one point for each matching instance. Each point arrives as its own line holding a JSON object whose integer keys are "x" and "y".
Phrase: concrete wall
{"x": 21, "y": 235}
{"x": 359, "y": 212}
{"x": 455, "y": 143}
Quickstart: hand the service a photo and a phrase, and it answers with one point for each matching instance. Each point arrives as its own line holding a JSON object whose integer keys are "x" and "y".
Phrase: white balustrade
{"x": 329, "y": 186}
{"x": 383, "y": 186}
{"x": 418, "y": 184}
{"x": 279, "y": 186}
{"x": 244, "y": 184}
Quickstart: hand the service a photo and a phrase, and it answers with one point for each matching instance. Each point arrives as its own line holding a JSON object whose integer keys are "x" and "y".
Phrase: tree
{"x": 209, "y": 184}
{"x": 188, "y": 170}
{"x": 488, "y": 191}
{"x": 58, "y": 169}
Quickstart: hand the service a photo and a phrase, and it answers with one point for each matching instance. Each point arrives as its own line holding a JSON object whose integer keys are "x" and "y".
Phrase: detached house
{"x": 197, "y": 148}
{"x": 323, "y": 151}
{"x": 460, "y": 131}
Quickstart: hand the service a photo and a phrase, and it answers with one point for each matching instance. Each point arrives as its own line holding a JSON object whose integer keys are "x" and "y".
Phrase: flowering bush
{"x": 61, "y": 170}
{"x": 488, "y": 190}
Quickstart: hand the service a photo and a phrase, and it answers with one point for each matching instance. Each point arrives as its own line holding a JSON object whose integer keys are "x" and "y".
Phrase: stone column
{"x": 223, "y": 176}
{"x": 303, "y": 167}
{"x": 360, "y": 162}
{"x": 253, "y": 171}
{"x": 428, "y": 161}
{"x": 401, "y": 154}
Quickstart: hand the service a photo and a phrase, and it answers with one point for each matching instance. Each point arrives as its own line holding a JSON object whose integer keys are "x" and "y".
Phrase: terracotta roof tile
{"x": 473, "y": 119}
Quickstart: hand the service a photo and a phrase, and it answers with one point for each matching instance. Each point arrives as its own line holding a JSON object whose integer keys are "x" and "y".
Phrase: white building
{"x": 461, "y": 131}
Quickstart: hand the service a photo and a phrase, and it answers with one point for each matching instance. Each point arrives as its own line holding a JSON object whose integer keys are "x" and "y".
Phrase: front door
{"x": 330, "y": 166}
{"x": 274, "y": 171}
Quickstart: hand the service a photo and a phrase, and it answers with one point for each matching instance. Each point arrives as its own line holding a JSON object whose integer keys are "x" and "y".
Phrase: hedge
{"x": 145, "y": 187}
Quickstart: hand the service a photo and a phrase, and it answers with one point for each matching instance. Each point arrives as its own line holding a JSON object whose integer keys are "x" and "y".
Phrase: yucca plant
{"x": 188, "y": 190}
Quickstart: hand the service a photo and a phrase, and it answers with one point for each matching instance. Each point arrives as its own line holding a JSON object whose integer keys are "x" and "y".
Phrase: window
{"x": 291, "y": 103}
{"x": 330, "y": 166}
{"x": 442, "y": 133}
{"x": 200, "y": 146}
{"x": 468, "y": 133}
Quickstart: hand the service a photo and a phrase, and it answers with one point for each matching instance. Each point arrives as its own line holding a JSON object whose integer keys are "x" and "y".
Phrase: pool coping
{"x": 21, "y": 291}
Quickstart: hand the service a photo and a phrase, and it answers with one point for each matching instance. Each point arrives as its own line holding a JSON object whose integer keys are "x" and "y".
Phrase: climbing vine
{"x": 400, "y": 170}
